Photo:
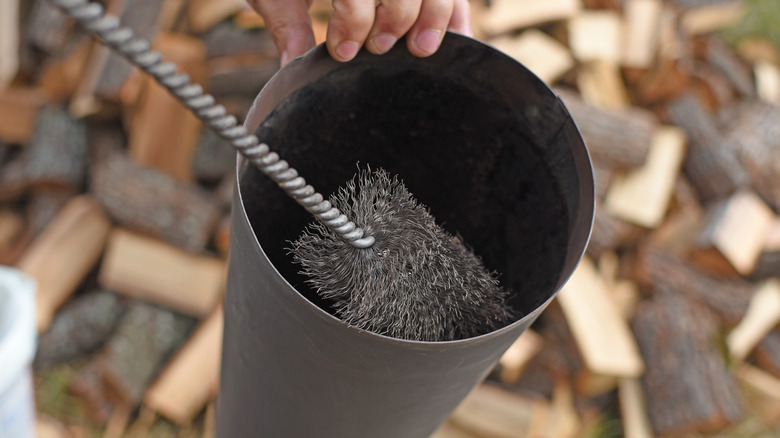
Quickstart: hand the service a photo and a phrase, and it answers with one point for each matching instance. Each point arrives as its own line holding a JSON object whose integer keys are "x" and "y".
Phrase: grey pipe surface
{"x": 290, "y": 368}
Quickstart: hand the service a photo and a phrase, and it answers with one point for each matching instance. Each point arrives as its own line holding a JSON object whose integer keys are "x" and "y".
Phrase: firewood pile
{"x": 116, "y": 200}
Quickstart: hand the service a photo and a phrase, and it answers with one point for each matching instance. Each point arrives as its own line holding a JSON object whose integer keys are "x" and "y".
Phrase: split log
{"x": 61, "y": 256}
{"x": 507, "y": 15}
{"x": 600, "y": 84}
{"x": 57, "y": 152}
{"x": 191, "y": 378}
{"x": 734, "y": 235}
{"x": 609, "y": 233}
{"x": 515, "y": 359}
{"x": 722, "y": 58}
{"x": 494, "y": 412}
{"x": 761, "y": 391}
{"x": 687, "y": 384}
{"x": 164, "y": 132}
{"x": 633, "y": 409}
{"x": 147, "y": 336}
{"x": 560, "y": 417}
{"x": 596, "y": 36}
{"x": 106, "y": 72}
{"x": 146, "y": 268}
{"x": 539, "y": 52}
{"x": 615, "y": 139}
{"x": 711, "y": 86}
{"x": 81, "y": 327}
{"x": 641, "y": 32}
{"x": 44, "y": 207}
{"x": 9, "y": 41}
{"x": 19, "y": 109}
{"x": 642, "y": 195}
{"x": 728, "y": 298}
{"x": 753, "y": 129}
{"x": 767, "y": 76}
{"x": 205, "y": 14}
{"x": 151, "y": 202}
{"x": 667, "y": 79}
{"x": 711, "y": 17}
{"x": 60, "y": 73}
{"x": 711, "y": 165}
{"x": 603, "y": 337}
{"x": 602, "y": 178}
{"x": 762, "y": 315}
{"x": 677, "y": 233}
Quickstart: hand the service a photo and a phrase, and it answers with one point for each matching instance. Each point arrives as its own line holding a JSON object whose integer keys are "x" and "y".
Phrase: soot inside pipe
{"x": 456, "y": 146}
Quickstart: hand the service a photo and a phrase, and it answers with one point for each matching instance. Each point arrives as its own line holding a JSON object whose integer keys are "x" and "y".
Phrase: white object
{"x": 17, "y": 348}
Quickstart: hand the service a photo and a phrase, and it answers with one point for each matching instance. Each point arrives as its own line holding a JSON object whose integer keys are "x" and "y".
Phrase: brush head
{"x": 416, "y": 282}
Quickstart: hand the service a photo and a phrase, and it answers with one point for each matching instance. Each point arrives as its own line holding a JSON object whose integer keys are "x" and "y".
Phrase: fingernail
{"x": 428, "y": 40}
{"x": 347, "y": 50}
{"x": 285, "y": 58}
{"x": 384, "y": 42}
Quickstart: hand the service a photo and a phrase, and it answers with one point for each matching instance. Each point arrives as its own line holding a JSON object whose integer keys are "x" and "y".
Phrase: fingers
{"x": 393, "y": 19}
{"x": 427, "y": 32}
{"x": 289, "y": 23}
{"x": 460, "y": 21}
{"x": 349, "y": 26}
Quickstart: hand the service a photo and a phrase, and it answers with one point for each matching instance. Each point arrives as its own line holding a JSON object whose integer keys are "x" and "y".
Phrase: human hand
{"x": 377, "y": 24}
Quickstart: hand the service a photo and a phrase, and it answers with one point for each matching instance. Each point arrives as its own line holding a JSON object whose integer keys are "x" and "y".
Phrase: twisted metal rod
{"x": 138, "y": 51}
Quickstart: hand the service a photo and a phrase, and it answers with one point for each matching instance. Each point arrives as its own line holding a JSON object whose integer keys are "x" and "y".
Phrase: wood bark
{"x": 726, "y": 61}
{"x": 47, "y": 27}
{"x": 214, "y": 158}
{"x": 615, "y": 139}
{"x": 712, "y": 166}
{"x": 242, "y": 75}
{"x": 687, "y": 384}
{"x": 141, "y": 16}
{"x": 147, "y": 336}
{"x": 57, "y": 153}
{"x": 173, "y": 394}
{"x": 151, "y": 202}
{"x": 226, "y": 39}
{"x": 81, "y": 327}
{"x": 106, "y": 72}
{"x": 753, "y": 127}
{"x": 728, "y": 298}
{"x": 609, "y": 232}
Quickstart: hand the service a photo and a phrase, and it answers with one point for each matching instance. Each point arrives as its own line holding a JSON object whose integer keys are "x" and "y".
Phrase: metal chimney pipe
{"x": 476, "y": 137}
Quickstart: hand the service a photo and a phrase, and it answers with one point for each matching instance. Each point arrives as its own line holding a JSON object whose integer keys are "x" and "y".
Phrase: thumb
{"x": 289, "y": 23}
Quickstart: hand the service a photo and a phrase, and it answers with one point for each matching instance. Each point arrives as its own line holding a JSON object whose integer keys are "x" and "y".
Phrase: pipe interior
{"x": 471, "y": 156}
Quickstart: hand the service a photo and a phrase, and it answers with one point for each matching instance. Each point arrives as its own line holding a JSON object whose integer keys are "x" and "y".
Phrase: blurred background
{"x": 116, "y": 201}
